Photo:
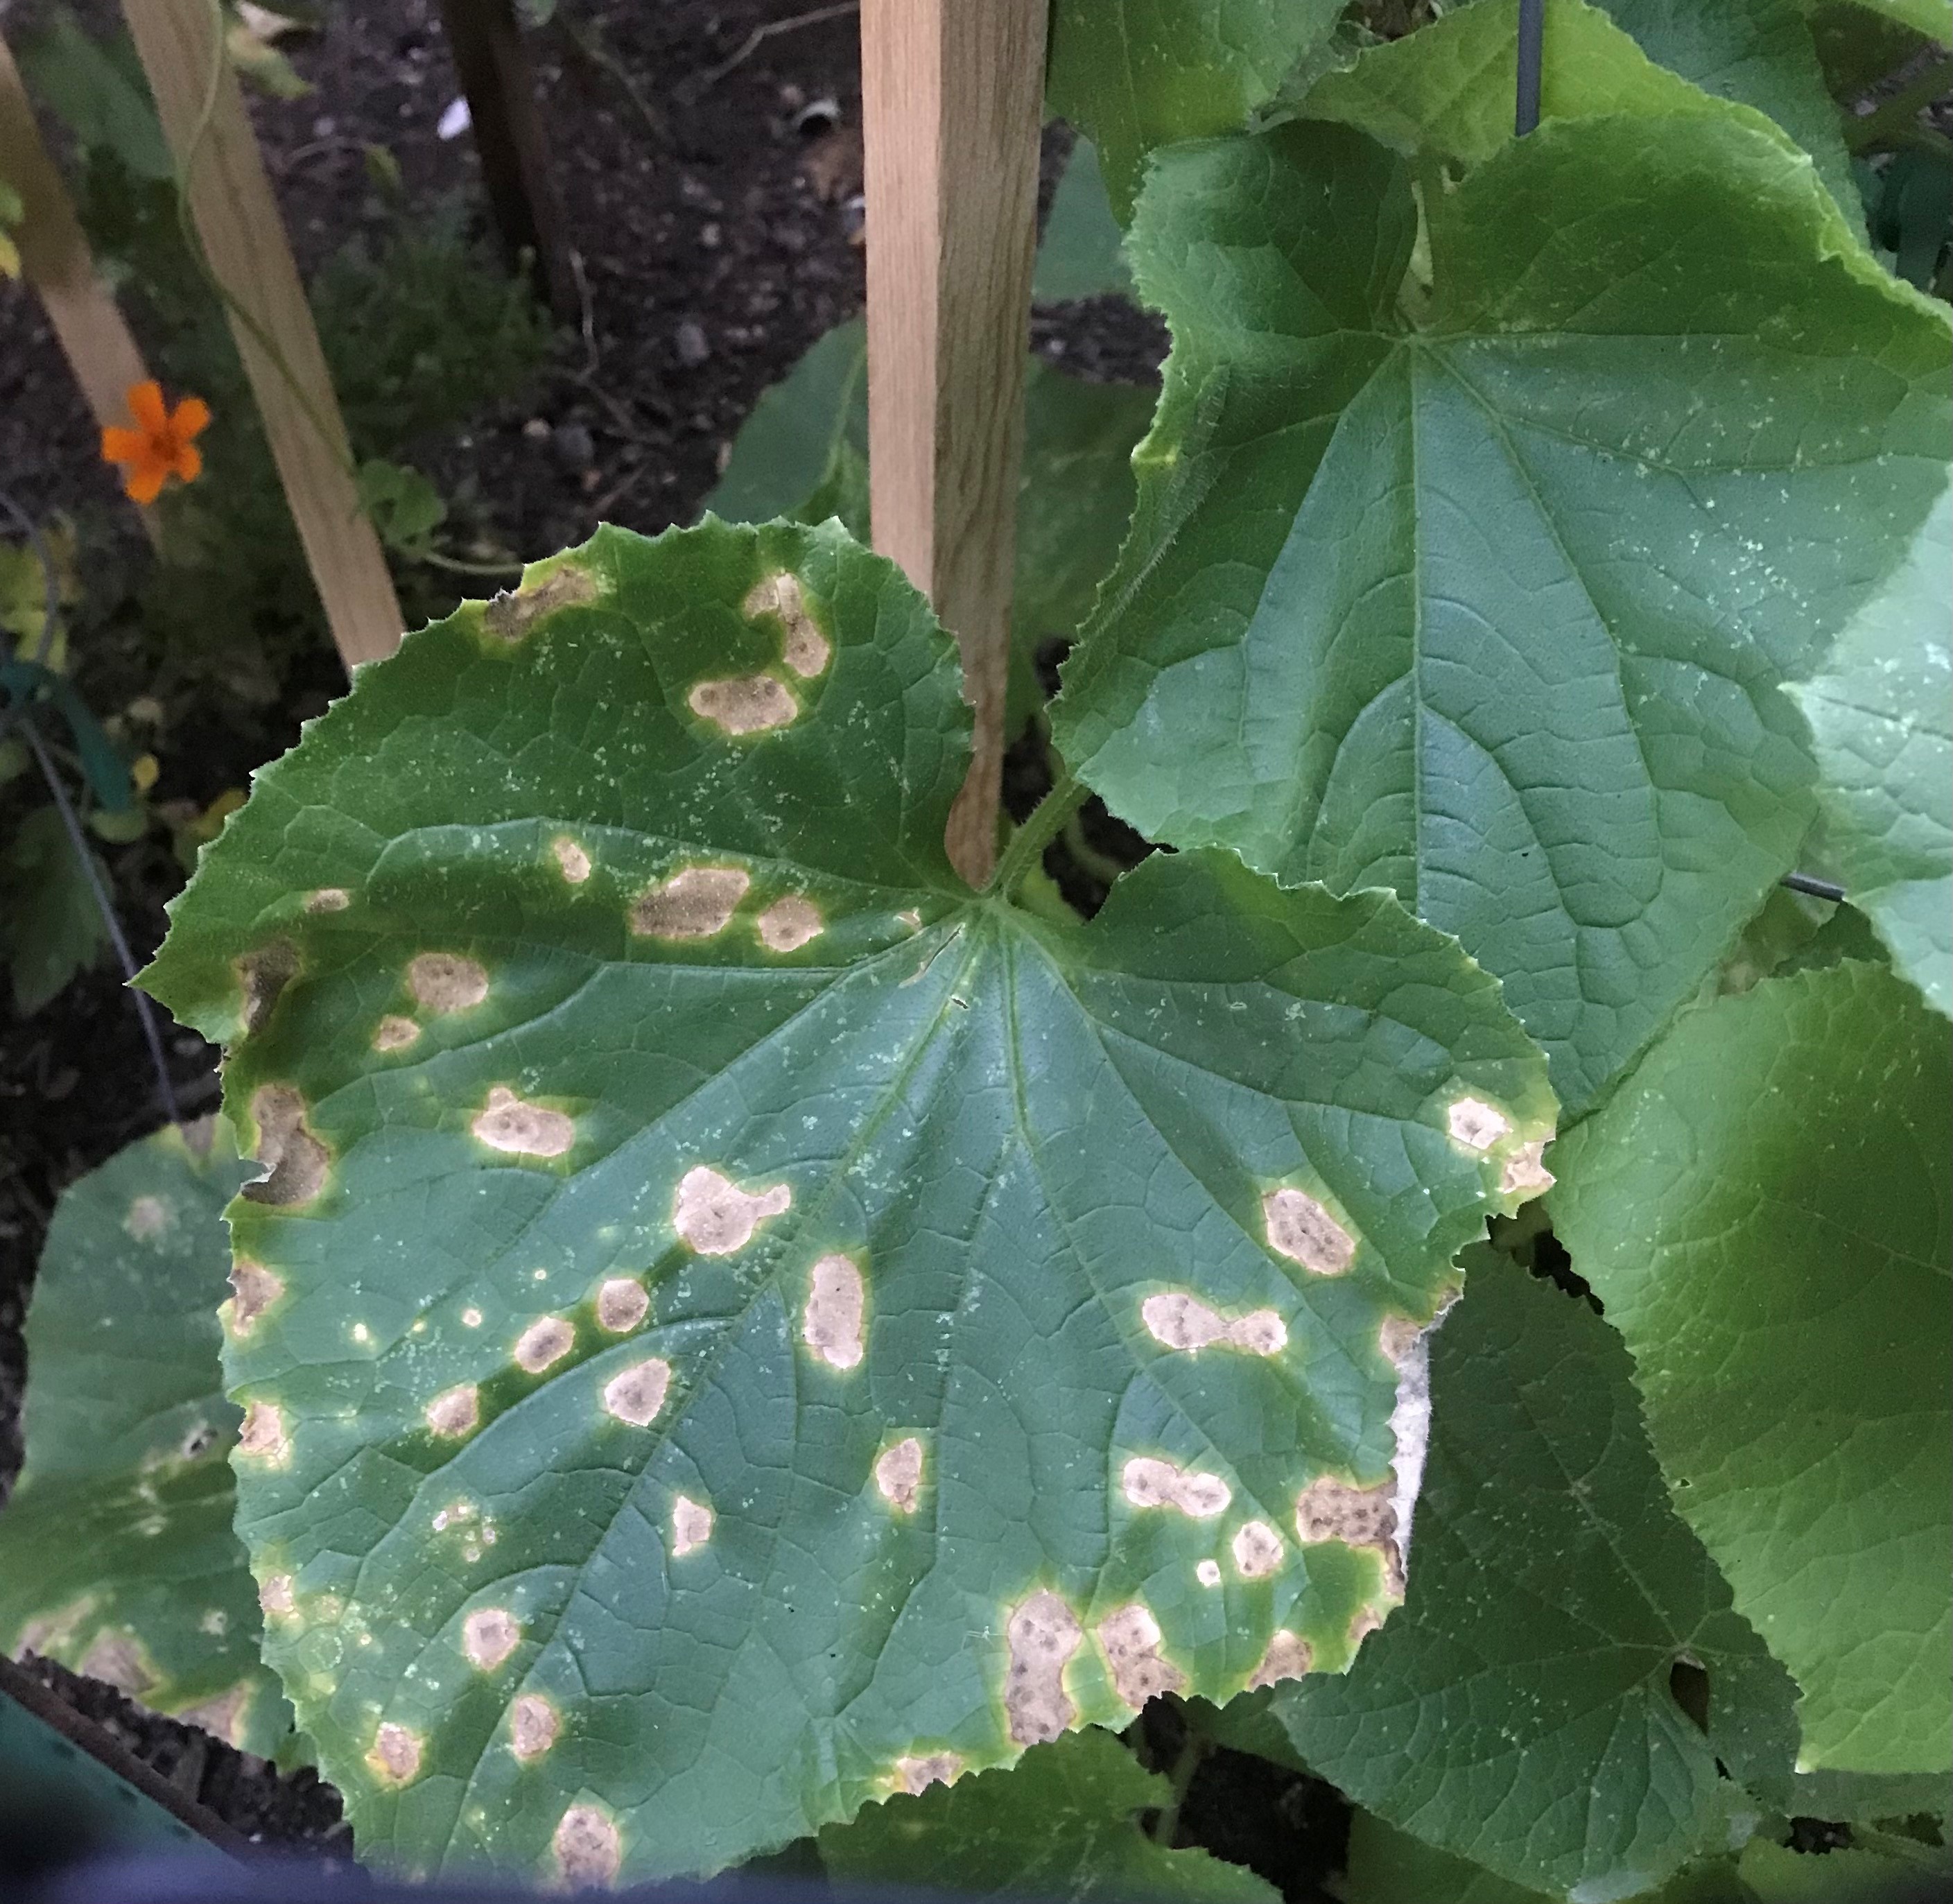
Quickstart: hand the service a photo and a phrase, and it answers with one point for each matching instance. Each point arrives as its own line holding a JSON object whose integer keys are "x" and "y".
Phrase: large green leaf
{"x": 1449, "y": 88}
{"x": 1388, "y": 1866}
{"x": 1063, "y": 1823}
{"x": 1883, "y": 725}
{"x": 116, "y": 1554}
{"x": 744, "y": 1317}
{"x": 1764, "y": 1208}
{"x": 52, "y": 927}
{"x": 803, "y": 454}
{"x": 1520, "y": 1712}
{"x": 1484, "y": 591}
{"x": 1082, "y": 253}
{"x": 1134, "y": 74}
{"x": 1758, "y": 53}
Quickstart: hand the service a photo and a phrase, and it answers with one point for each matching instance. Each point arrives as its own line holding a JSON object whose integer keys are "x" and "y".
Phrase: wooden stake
{"x": 54, "y": 259}
{"x": 493, "y": 66}
{"x": 244, "y": 242}
{"x": 951, "y": 94}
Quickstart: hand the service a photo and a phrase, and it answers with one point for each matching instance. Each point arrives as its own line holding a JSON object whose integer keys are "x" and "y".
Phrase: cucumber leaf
{"x": 116, "y": 1554}
{"x": 1484, "y": 588}
{"x": 1553, "y": 1594}
{"x": 1883, "y": 725}
{"x": 1764, "y": 1208}
{"x": 1134, "y": 74}
{"x": 741, "y": 1322}
{"x": 1064, "y": 1822}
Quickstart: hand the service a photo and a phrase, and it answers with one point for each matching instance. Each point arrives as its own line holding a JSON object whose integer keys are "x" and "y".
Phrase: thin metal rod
{"x": 1532, "y": 32}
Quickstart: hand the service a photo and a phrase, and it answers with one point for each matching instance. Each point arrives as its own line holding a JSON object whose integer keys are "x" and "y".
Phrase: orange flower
{"x": 160, "y": 445}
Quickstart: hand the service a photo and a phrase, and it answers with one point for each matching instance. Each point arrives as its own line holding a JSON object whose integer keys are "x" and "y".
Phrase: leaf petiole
{"x": 1046, "y": 822}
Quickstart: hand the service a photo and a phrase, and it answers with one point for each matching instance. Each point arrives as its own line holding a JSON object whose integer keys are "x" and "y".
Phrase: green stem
{"x": 1193, "y": 1750}
{"x": 1027, "y": 844}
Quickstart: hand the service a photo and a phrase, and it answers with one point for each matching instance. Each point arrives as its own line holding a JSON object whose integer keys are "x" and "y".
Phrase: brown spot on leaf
{"x": 547, "y": 1339}
{"x": 1475, "y": 1124}
{"x": 836, "y": 1303}
{"x": 1183, "y": 1321}
{"x": 692, "y": 1526}
{"x": 262, "y": 1436}
{"x": 533, "y": 1726}
{"x": 395, "y": 1759}
{"x": 445, "y": 982}
{"x": 637, "y": 1394}
{"x": 515, "y": 611}
{"x": 149, "y": 1217}
{"x": 1301, "y": 1229}
{"x": 696, "y": 903}
{"x": 255, "y": 1289}
{"x": 588, "y": 1850}
{"x": 807, "y": 650}
{"x": 509, "y": 1123}
{"x": 1150, "y": 1482}
{"x": 263, "y": 974}
{"x": 456, "y": 1411}
{"x": 918, "y": 1773}
{"x": 328, "y": 899}
{"x": 224, "y": 1715}
{"x": 899, "y": 1474}
{"x": 1331, "y": 1509}
{"x": 394, "y": 1033}
{"x": 117, "y": 1658}
{"x": 488, "y": 1635}
{"x": 1525, "y": 1172}
{"x": 1364, "y": 1621}
{"x": 1042, "y": 1634}
{"x": 295, "y": 1161}
{"x": 750, "y": 704}
{"x": 712, "y": 1215}
{"x": 1396, "y": 1338}
{"x": 789, "y": 924}
{"x": 1130, "y": 1640}
{"x": 621, "y": 1304}
{"x": 573, "y": 861}
{"x": 1258, "y": 1550}
{"x": 1288, "y": 1657}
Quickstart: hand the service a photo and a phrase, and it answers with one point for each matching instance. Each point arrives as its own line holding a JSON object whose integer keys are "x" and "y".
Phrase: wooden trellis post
{"x": 952, "y": 92}
{"x": 244, "y": 241}
{"x": 55, "y": 259}
{"x": 493, "y": 67}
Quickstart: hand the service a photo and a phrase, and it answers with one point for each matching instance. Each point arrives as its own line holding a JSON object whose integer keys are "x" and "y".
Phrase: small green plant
{"x": 737, "y": 1332}
{"x": 421, "y": 331}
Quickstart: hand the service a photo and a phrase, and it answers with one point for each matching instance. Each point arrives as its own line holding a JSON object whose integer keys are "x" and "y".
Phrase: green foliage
{"x": 740, "y": 1332}
{"x": 1082, "y": 253}
{"x": 1063, "y": 1823}
{"x": 420, "y": 328}
{"x": 1763, "y": 1208}
{"x": 116, "y": 1554}
{"x": 1553, "y": 1592}
{"x": 1484, "y": 588}
{"x": 1757, "y": 52}
{"x": 1884, "y": 735}
{"x": 1135, "y": 75}
{"x": 50, "y": 926}
{"x": 627, "y": 1072}
{"x": 803, "y": 454}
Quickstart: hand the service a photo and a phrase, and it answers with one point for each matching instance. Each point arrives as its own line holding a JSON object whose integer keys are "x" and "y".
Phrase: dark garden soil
{"x": 714, "y": 211}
